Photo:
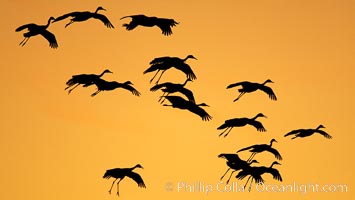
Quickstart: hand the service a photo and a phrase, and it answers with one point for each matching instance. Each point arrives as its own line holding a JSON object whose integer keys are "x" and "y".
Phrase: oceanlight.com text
{"x": 235, "y": 187}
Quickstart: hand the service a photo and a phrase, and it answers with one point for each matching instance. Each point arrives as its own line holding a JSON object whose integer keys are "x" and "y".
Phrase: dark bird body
{"x": 120, "y": 173}
{"x": 239, "y": 122}
{"x": 166, "y": 62}
{"x": 248, "y": 87}
{"x": 83, "y": 16}
{"x": 256, "y": 172}
{"x": 179, "y": 102}
{"x": 34, "y": 29}
{"x": 164, "y": 24}
{"x": 235, "y": 163}
{"x": 103, "y": 85}
{"x": 85, "y": 79}
{"x": 308, "y": 132}
{"x": 169, "y": 88}
{"x": 258, "y": 148}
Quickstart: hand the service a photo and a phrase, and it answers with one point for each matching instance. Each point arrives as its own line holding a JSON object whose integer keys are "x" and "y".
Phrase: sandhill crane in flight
{"x": 120, "y": 173}
{"x": 256, "y": 172}
{"x": 103, "y": 85}
{"x": 34, "y": 29}
{"x": 169, "y": 88}
{"x": 258, "y": 148}
{"x": 248, "y": 87}
{"x": 85, "y": 79}
{"x": 164, "y": 24}
{"x": 238, "y": 122}
{"x": 308, "y": 132}
{"x": 234, "y": 163}
{"x": 83, "y": 16}
{"x": 181, "y": 103}
{"x": 166, "y": 62}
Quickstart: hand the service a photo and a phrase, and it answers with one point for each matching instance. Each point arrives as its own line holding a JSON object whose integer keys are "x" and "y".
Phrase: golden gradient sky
{"x": 57, "y": 146}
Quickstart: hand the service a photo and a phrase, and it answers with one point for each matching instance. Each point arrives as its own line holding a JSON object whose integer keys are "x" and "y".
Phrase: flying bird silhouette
{"x": 83, "y": 16}
{"x": 169, "y": 88}
{"x": 258, "y": 148}
{"x": 34, "y": 29}
{"x": 164, "y": 63}
{"x": 179, "y": 102}
{"x": 308, "y": 132}
{"x": 256, "y": 172}
{"x": 103, "y": 85}
{"x": 235, "y": 163}
{"x": 164, "y": 24}
{"x": 85, "y": 79}
{"x": 248, "y": 87}
{"x": 238, "y": 122}
{"x": 120, "y": 173}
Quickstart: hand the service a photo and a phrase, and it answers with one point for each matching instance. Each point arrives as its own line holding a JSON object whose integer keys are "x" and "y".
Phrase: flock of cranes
{"x": 183, "y": 97}
{"x": 137, "y": 20}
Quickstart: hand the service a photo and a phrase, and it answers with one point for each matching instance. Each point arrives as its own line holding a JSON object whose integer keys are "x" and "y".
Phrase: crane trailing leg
{"x": 226, "y": 131}
{"x": 24, "y": 41}
{"x": 240, "y": 95}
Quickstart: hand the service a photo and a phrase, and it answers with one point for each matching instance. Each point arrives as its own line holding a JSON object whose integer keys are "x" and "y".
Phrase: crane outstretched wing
{"x": 72, "y": 14}
{"x": 188, "y": 93}
{"x": 158, "y": 86}
{"x": 275, "y": 173}
{"x": 160, "y": 60}
{"x": 137, "y": 178}
{"x": 186, "y": 69}
{"x": 158, "y": 66}
{"x": 104, "y": 19}
{"x": 237, "y": 84}
{"x": 275, "y": 152}
{"x": 165, "y": 25}
{"x": 294, "y": 132}
{"x": 50, "y": 37}
{"x": 326, "y": 135}
{"x": 258, "y": 125}
{"x": 134, "y": 17}
{"x": 131, "y": 88}
{"x": 269, "y": 92}
{"x": 25, "y": 26}
{"x": 230, "y": 156}
{"x": 200, "y": 112}
{"x": 246, "y": 148}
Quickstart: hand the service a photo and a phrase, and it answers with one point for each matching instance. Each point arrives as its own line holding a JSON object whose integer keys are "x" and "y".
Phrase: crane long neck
{"x": 132, "y": 168}
{"x": 271, "y": 142}
{"x": 49, "y": 22}
{"x": 254, "y": 118}
{"x": 102, "y": 73}
{"x": 187, "y": 57}
{"x": 272, "y": 165}
{"x": 185, "y": 82}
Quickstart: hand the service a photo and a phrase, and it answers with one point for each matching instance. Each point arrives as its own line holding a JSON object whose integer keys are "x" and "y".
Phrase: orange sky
{"x": 58, "y": 146}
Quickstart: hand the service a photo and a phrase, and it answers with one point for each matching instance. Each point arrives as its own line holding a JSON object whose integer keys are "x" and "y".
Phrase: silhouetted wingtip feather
{"x": 276, "y": 153}
{"x": 326, "y": 135}
{"x": 103, "y": 19}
